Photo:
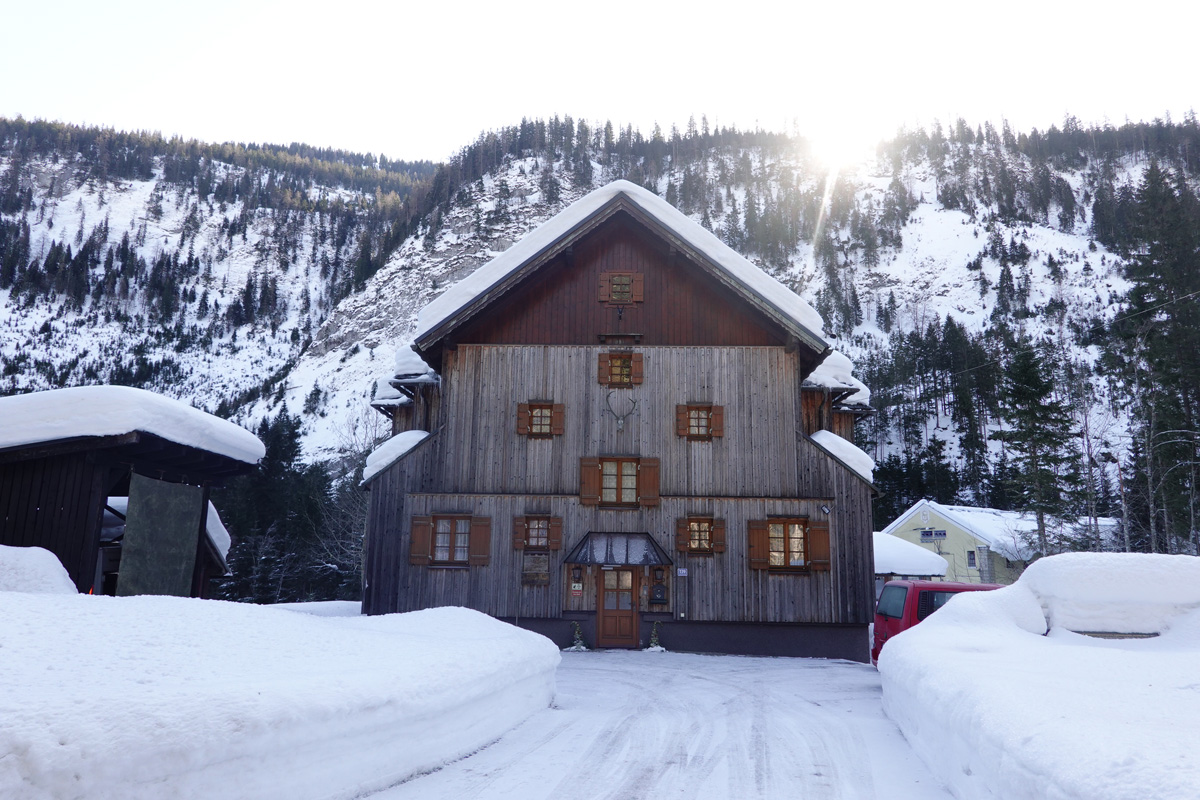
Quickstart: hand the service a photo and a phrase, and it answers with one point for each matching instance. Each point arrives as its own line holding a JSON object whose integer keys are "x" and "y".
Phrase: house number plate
{"x": 681, "y": 572}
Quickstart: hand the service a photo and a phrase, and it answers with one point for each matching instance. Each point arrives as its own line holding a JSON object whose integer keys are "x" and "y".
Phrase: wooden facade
{"x": 697, "y": 345}
{"x": 53, "y": 495}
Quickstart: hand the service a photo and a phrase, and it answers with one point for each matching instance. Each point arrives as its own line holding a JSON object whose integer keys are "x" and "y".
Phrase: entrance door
{"x": 616, "y": 608}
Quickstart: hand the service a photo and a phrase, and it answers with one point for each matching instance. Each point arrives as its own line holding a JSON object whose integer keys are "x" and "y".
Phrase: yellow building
{"x": 981, "y": 545}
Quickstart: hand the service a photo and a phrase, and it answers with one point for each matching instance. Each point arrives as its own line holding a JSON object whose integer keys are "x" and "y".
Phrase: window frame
{"x": 433, "y": 539}
{"x": 619, "y": 461}
{"x": 633, "y": 289}
{"x": 700, "y": 549}
{"x": 546, "y": 413}
{"x": 804, "y": 523}
{"x": 972, "y": 560}
{"x": 616, "y": 379}
{"x": 608, "y": 362}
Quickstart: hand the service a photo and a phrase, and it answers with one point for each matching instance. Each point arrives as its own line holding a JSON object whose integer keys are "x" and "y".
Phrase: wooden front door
{"x": 616, "y": 608}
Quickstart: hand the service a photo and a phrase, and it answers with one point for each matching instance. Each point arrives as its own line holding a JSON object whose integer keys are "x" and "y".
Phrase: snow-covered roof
{"x": 388, "y": 395}
{"x": 835, "y": 372}
{"x": 895, "y": 556}
{"x": 217, "y": 533}
{"x": 1006, "y": 532}
{"x": 115, "y": 410}
{"x": 411, "y": 368}
{"x": 846, "y": 452}
{"x": 392, "y": 451}
{"x": 789, "y": 306}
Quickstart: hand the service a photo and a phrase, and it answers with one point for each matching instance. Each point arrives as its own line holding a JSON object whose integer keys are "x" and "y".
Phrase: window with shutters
{"x": 451, "y": 539}
{"x": 621, "y": 288}
{"x": 620, "y": 370}
{"x": 541, "y": 420}
{"x": 536, "y": 537}
{"x": 699, "y": 422}
{"x": 789, "y": 544}
{"x": 619, "y": 481}
{"x": 700, "y": 535}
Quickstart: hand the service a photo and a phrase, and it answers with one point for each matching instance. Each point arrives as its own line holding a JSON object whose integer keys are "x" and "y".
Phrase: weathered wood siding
{"x": 55, "y": 503}
{"x": 683, "y": 305}
{"x": 763, "y": 465}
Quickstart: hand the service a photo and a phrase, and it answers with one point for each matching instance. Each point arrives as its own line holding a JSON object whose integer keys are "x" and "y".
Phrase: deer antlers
{"x": 620, "y": 418}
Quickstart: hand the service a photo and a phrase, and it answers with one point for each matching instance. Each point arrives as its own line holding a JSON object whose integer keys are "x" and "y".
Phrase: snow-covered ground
{"x": 1003, "y": 698}
{"x": 640, "y": 725}
{"x": 155, "y": 697}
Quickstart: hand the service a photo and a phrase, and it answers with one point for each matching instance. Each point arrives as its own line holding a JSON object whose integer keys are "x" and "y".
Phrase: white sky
{"x": 422, "y": 80}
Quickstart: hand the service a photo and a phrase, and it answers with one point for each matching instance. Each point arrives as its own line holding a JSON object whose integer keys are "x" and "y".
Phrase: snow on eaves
{"x": 849, "y": 454}
{"x": 391, "y": 451}
{"x": 787, "y": 302}
{"x": 895, "y": 556}
{"x": 836, "y": 372}
{"x": 115, "y": 410}
{"x": 411, "y": 366}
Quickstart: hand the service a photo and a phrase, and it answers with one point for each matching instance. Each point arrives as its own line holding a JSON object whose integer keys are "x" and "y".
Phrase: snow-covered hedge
{"x": 1001, "y": 699}
{"x": 152, "y": 697}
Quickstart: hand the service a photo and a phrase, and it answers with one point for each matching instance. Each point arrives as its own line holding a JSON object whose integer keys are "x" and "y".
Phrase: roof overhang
{"x": 619, "y": 203}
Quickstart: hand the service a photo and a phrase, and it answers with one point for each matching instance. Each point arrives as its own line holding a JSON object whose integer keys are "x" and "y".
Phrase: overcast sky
{"x": 421, "y": 80}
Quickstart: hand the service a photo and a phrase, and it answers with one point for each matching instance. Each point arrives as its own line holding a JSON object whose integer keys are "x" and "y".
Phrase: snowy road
{"x": 634, "y": 724}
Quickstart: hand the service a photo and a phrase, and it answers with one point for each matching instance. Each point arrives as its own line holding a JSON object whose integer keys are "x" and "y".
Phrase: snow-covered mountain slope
{"x": 876, "y": 239}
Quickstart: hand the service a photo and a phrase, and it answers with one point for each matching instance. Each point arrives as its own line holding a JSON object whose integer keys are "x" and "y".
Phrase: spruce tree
{"x": 1039, "y": 441}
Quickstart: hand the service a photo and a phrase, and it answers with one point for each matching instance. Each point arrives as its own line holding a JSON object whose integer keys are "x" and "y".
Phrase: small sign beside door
{"x": 681, "y": 572}
{"x": 576, "y": 590}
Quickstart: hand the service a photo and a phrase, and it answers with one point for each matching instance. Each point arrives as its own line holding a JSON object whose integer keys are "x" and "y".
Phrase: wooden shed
{"x": 621, "y": 435}
{"x": 65, "y": 453}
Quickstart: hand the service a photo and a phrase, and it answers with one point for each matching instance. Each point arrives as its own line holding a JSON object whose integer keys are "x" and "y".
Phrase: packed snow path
{"x": 639, "y": 725}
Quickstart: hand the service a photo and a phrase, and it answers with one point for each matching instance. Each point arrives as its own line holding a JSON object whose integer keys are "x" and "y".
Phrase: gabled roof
{"x": 471, "y": 295}
{"x": 1002, "y": 531}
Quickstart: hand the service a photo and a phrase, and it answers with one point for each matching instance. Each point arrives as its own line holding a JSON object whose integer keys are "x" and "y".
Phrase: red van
{"x": 903, "y": 604}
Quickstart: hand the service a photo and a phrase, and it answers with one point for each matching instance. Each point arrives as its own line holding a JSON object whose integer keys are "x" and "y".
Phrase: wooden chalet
{"x": 115, "y": 482}
{"x": 622, "y": 435}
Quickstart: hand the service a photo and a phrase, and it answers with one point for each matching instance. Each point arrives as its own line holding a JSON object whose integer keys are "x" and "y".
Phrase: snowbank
{"x": 391, "y": 451}
{"x": 33, "y": 569}
{"x": 999, "y": 710}
{"x": 847, "y": 452}
{"x": 894, "y": 556}
{"x": 784, "y": 300}
{"x": 152, "y": 697}
{"x": 114, "y": 410}
{"x": 837, "y": 372}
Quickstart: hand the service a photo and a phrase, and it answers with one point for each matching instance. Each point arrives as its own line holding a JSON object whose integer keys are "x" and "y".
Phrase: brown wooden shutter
{"x": 558, "y": 419}
{"x": 605, "y": 286}
{"x": 718, "y": 536}
{"x": 683, "y": 537}
{"x": 589, "y": 481}
{"x": 716, "y": 422}
{"x": 479, "y": 548}
{"x": 604, "y": 373}
{"x": 818, "y": 546}
{"x": 518, "y": 533}
{"x": 760, "y": 544}
{"x": 556, "y": 533}
{"x": 522, "y": 419}
{"x": 419, "y": 553}
{"x": 648, "y": 482}
{"x": 681, "y": 420}
{"x": 635, "y": 368}
{"x": 638, "y": 291}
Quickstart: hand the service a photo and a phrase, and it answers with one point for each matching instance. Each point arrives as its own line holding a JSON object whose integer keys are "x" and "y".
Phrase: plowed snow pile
{"x": 153, "y": 697}
{"x": 1003, "y": 698}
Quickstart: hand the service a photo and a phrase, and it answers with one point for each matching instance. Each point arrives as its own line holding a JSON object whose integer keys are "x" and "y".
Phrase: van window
{"x": 891, "y": 602}
{"x": 930, "y": 602}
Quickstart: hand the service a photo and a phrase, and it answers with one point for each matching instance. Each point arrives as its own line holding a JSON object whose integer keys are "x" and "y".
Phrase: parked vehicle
{"x": 903, "y": 604}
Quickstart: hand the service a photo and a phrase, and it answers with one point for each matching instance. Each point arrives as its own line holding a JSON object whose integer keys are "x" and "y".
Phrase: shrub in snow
{"x": 1002, "y": 698}
{"x": 577, "y": 645}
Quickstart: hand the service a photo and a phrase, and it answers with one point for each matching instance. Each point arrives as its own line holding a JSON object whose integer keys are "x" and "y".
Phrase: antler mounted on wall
{"x": 620, "y": 418}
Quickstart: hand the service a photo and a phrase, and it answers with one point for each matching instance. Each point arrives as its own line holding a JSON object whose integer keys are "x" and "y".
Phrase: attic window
{"x": 620, "y": 370}
{"x": 621, "y": 288}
